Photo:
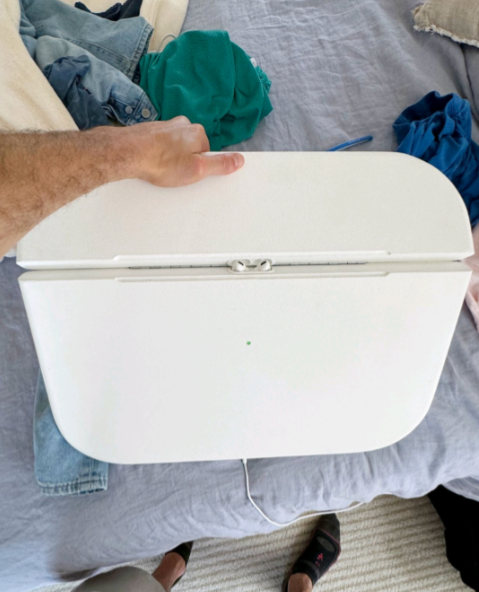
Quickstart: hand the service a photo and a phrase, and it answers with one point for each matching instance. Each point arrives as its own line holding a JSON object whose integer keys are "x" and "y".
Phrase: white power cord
{"x": 310, "y": 515}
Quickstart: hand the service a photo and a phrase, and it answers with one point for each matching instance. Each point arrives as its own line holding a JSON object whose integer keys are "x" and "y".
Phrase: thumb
{"x": 220, "y": 164}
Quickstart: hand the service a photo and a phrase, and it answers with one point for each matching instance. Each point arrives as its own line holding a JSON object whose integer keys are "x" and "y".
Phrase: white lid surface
{"x": 199, "y": 364}
{"x": 290, "y": 207}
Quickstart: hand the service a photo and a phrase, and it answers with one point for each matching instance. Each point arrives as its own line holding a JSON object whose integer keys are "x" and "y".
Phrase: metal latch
{"x": 241, "y": 266}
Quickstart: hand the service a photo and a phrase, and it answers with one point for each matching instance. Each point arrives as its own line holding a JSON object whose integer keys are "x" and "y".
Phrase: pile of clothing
{"x": 438, "y": 129}
{"x": 99, "y": 67}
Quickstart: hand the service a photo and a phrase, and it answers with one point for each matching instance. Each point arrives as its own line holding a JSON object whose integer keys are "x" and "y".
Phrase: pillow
{"x": 457, "y": 19}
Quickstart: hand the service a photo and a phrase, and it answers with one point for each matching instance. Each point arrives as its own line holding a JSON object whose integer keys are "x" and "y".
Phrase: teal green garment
{"x": 210, "y": 80}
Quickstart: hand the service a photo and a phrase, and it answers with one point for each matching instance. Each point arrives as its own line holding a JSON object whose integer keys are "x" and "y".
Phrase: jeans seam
{"x": 76, "y": 486}
{"x": 77, "y": 480}
{"x": 141, "y": 49}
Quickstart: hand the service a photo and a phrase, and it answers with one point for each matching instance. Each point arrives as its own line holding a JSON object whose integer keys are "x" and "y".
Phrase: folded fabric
{"x": 210, "y": 80}
{"x": 438, "y": 129}
{"x": 105, "y": 76}
{"x": 457, "y": 19}
{"x": 121, "y": 99}
{"x": 60, "y": 469}
{"x": 65, "y": 76}
{"x": 116, "y": 12}
{"x": 166, "y": 17}
{"x": 120, "y": 44}
{"x": 21, "y": 109}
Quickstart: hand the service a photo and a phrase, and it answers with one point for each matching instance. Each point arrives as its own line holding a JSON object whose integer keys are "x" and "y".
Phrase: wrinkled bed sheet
{"x": 340, "y": 70}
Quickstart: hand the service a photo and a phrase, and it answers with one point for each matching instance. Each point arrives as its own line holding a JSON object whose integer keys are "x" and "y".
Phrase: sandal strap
{"x": 184, "y": 550}
{"x": 322, "y": 551}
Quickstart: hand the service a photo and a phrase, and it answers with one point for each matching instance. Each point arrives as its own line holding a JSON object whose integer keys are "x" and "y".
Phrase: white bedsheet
{"x": 339, "y": 70}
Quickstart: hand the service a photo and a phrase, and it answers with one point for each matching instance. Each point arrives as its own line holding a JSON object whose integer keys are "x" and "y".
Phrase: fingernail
{"x": 238, "y": 160}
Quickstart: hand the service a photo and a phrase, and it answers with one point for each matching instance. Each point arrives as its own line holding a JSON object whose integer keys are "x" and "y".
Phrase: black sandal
{"x": 321, "y": 553}
{"x": 184, "y": 550}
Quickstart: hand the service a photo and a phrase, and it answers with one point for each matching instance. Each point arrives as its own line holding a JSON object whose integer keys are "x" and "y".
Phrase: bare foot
{"x": 171, "y": 568}
{"x": 299, "y": 582}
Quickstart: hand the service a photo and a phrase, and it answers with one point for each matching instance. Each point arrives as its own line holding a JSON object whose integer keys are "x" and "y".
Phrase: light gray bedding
{"x": 340, "y": 70}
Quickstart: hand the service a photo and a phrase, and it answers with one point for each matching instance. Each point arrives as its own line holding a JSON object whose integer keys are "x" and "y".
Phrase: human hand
{"x": 65, "y": 165}
{"x": 171, "y": 153}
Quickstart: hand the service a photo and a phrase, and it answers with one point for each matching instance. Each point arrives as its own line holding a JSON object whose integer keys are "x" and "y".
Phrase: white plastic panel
{"x": 183, "y": 365}
{"x": 291, "y": 207}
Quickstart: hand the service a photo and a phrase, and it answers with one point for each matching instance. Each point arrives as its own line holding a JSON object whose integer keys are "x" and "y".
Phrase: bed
{"x": 339, "y": 70}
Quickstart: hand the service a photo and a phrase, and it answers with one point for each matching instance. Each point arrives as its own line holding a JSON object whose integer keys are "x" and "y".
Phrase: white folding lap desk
{"x": 156, "y": 346}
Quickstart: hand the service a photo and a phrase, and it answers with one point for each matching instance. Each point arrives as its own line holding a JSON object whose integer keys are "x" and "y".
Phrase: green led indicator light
{"x": 248, "y": 343}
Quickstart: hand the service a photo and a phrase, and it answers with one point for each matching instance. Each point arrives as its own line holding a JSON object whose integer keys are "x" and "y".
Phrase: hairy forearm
{"x": 41, "y": 172}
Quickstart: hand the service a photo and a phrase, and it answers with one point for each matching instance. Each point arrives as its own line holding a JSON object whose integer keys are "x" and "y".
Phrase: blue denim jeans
{"x": 120, "y": 44}
{"x": 59, "y": 468}
{"x": 66, "y": 78}
{"x": 52, "y": 30}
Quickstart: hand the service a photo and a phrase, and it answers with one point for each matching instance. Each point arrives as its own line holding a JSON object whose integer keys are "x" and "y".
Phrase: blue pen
{"x": 346, "y": 145}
